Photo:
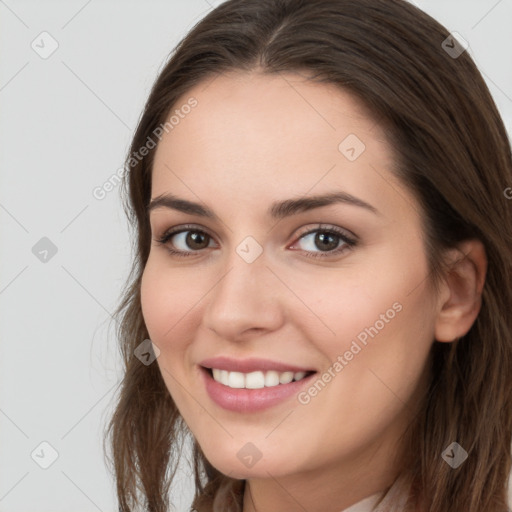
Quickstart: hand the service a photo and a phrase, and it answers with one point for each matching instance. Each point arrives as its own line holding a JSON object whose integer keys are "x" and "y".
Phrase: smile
{"x": 246, "y": 386}
{"x": 257, "y": 379}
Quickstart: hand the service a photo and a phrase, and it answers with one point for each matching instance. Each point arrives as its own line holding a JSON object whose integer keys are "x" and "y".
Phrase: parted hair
{"x": 452, "y": 153}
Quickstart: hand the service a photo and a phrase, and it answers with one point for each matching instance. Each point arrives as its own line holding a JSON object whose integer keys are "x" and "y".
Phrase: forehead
{"x": 260, "y": 135}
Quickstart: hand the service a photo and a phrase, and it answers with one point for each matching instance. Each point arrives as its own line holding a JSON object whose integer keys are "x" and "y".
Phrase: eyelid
{"x": 184, "y": 227}
{"x": 311, "y": 228}
{"x": 348, "y": 242}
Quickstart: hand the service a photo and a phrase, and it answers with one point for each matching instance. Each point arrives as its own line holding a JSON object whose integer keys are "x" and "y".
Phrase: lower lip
{"x": 250, "y": 400}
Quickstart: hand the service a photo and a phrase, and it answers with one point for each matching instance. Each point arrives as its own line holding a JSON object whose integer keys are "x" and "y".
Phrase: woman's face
{"x": 297, "y": 251}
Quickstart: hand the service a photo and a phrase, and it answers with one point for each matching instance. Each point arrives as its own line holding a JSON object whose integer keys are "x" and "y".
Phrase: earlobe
{"x": 464, "y": 282}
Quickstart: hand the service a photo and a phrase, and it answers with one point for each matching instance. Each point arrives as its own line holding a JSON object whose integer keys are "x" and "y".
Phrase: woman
{"x": 323, "y": 268}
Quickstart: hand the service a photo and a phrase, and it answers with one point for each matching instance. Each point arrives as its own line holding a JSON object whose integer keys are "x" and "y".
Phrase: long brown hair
{"x": 452, "y": 152}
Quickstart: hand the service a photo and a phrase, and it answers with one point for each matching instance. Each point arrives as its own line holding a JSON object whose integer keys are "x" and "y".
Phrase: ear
{"x": 461, "y": 296}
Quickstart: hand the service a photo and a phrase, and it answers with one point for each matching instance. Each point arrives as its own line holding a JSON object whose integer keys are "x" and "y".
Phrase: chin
{"x": 238, "y": 464}
{"x": 236, "y": 470}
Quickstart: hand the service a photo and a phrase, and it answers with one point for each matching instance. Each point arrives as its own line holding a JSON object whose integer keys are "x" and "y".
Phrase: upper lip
{"x": 250, "y": 365}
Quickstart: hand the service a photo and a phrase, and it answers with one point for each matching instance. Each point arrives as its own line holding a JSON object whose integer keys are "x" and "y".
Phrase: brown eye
{"x": 196, "y": 240}
{"x": 326, "y": 241}
{"x": 186, "y": 241}
{"x": 323, "y": 242}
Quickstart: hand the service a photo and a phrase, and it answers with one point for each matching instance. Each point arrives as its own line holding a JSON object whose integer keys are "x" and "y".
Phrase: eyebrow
{"x": 278, "y": 210}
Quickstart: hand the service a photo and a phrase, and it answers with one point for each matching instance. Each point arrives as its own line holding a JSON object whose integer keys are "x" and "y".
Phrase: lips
{"x": 251, "y": 365}
{"x": 250, "y": 385}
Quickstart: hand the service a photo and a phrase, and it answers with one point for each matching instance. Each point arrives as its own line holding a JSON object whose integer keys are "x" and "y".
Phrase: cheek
{"x": 383, "y": 336}
{"x": 380, "y": 318}
{"x": 168, "y": 302}
{"x": 345, "y": 308}
{"x": 167, "y": 299}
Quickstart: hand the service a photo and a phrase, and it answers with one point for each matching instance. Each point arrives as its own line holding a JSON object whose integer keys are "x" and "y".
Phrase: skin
{"x": 252, "y": 140}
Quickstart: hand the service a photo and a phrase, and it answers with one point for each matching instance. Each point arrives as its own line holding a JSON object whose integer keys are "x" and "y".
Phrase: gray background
{"x": 65, "y": 123}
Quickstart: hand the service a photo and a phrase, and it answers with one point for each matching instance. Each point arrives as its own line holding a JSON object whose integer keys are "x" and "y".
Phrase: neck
{"x": 332, "y": 489}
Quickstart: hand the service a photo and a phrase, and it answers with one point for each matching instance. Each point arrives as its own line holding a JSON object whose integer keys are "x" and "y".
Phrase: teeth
{"x": 271, "y": 379}
{"x": 221, "y": 376}
{"x": 299, "y": 375}
{"x": 285, "y": 377}
{"x": 236, "y": 380}
{"x": 255, "y": 380}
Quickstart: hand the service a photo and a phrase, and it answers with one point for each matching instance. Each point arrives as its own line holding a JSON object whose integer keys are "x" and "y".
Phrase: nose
{"x": 244, "y": 302}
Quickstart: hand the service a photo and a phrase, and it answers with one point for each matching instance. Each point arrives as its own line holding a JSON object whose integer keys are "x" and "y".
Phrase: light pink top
{"x": 369, "y": 504}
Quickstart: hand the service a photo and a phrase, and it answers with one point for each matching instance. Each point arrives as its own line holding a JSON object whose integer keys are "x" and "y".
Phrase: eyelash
{"x": 349, "y": 242}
